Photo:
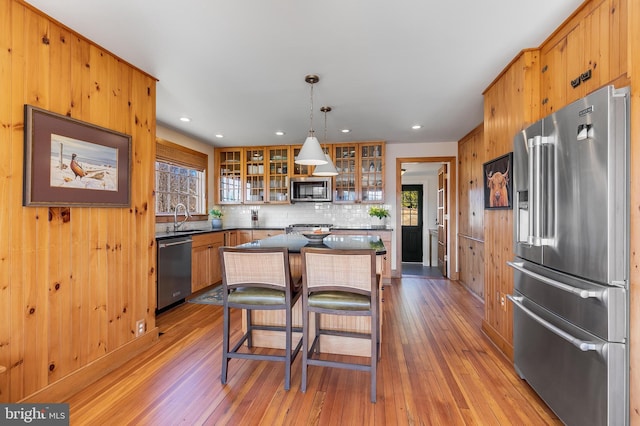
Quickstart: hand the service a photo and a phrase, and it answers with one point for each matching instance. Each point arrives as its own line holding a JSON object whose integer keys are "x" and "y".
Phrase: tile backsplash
{"x": 283, "y": 215}
{"x": 280, "y": 216}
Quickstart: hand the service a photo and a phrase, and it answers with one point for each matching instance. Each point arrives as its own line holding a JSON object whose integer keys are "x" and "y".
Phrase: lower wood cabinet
{"x": 205, "y": 260}
{"x": 471, "y": 261}
{"x": 248, "y": 235}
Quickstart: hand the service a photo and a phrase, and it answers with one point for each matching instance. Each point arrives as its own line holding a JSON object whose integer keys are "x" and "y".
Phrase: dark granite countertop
{"x": 184, "y": 233}
{"x": 294, "y": 242}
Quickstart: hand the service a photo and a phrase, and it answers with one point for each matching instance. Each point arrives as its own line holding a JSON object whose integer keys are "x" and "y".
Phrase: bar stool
{"x": 258, "y": 279}
{"x": 339, "y": 282}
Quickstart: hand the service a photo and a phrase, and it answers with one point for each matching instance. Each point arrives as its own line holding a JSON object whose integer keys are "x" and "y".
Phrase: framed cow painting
{"x": 498, "y": 190}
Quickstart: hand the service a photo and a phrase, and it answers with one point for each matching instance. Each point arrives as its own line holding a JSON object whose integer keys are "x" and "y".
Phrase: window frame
{"x": 178, "y": 155}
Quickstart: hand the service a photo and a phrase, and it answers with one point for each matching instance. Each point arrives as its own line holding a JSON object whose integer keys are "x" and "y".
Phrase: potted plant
{"x": 379, "y": 212}
{"x": 216, "y": 218}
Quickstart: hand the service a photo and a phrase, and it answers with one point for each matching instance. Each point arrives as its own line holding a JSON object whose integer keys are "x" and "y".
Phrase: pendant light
{"x": 325, "y": 169}
{"x": 311, "y": 153}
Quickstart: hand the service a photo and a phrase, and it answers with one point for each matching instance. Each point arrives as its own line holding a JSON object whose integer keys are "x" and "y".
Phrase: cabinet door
{"x": 371, "y": 160}
{"x": 229, "y": 176}
{"x": 299, "y": 170}
{"x": 244, "y": 236}
{"x": 199, "y": 267}
{"x": 215, "y": 266}
{"x": 554, "y": 78}
{"x": 261, "y": 234}
{"x": 231, "y": 238}
{"x": 254, "y": 185}
{"x": 597, "y": 50}
{"x": 278, "y": 174}
{"x": 464, "y": 186}
{"x": 345, "y": 184}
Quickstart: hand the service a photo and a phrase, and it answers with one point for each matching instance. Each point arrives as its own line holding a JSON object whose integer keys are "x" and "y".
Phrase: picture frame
{"x": 69, "y": 162}
{"x": 498, "y": 189}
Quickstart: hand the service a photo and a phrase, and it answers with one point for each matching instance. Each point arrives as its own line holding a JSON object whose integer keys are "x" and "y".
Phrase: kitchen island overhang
{"x": 329, "y": 344}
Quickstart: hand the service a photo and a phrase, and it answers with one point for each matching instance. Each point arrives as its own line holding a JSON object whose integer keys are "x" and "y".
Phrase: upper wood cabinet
{"x": 278, "y": 160}
{"x": 471, "y": 184}
{"x": 361, "y": 172}
{"x": 260, "y": 175}
{"x": 253, "y": 175}
{"x": 588, "y": 52}
{"x": 298, "y": 170}
{"x": 228, "y": 175}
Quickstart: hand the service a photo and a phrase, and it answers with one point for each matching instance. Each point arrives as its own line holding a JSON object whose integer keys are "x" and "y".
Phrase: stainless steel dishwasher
{"x": 173, "y": 270}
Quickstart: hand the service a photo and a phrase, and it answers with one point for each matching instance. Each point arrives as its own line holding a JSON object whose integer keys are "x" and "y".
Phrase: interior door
{"x": 412, "y": 223}
{"x": 443, "y": 220}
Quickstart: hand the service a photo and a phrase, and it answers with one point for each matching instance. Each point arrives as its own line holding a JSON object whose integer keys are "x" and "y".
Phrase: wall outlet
{"x": 503, "y": 301}
{"x": 141, "y": 327}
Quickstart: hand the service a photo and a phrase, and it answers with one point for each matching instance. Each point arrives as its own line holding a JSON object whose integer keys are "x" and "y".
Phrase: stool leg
{"x": 249, "y": 329}
{"x": 374, "y": 354}
{"x": 305, "y": 344}
{"x": 225, "y": 345}
{"x": 287, "y": 362}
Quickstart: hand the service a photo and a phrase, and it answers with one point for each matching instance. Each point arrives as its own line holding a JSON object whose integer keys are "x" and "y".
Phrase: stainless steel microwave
{"x": 310, "y": 189}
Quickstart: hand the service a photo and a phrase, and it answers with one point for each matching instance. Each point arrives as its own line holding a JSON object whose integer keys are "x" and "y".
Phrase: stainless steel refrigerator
{"x": 571, "y": 271}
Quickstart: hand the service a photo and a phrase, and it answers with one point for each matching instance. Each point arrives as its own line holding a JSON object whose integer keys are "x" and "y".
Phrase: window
{"x": 410, "y": 208}
{"x": 181, "y": 177}
{"x": 177, "y": 184}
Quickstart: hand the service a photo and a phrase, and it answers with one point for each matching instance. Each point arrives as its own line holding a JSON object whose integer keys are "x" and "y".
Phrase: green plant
{"x": 215, "y": 213}
{"x": 378, "y": 211}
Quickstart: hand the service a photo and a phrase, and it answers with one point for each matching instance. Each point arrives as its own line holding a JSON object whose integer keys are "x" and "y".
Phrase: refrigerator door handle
{"x": 585, "y": 294}
{"x": 534, "y": 191}
{"x": 583, "y": 345}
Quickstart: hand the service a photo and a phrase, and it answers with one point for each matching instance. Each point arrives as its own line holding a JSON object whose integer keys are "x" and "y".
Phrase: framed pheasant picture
{"x": 69, "y": 162}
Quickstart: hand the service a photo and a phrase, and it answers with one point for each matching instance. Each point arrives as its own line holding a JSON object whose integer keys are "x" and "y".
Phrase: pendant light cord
{"x": 311, "y": 112}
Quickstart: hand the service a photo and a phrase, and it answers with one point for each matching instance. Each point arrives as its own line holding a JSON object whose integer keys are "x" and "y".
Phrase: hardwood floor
{"x": 436, "y": 368}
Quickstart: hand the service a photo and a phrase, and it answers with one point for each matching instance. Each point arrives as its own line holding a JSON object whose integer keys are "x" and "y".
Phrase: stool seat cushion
{"x": 257, "y": 296}
{"x": 339, "y": 300}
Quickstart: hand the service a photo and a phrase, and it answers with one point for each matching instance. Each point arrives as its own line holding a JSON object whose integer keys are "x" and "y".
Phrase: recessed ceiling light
{"x": 345, "y": 130}
{"x": 280, "y": 133}
{"x": 416, "y": 127}
{"x": 185, "y": 119}
{"x": 220, "y": 136}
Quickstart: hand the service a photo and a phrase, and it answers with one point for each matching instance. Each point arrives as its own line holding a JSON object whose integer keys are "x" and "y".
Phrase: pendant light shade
{"x": 311, "y": 153}
{"x": 328, "y": 169}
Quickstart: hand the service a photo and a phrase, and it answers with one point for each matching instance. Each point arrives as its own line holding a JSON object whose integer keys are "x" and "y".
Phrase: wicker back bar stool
{"x": 258, "y": 279}
{"x": 339, "y": 282}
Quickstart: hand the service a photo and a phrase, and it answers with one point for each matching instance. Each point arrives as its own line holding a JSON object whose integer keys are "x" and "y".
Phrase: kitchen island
{"x": 329, "y": 344}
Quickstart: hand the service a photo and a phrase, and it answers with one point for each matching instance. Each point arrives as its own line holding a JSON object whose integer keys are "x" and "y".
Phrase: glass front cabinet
{"x": 229, "y": 176}
{"x": 255, "y": 175}
{"x": 260, "y": 175}
{"x": 361, "y": 173}
{"x": 278, "y": 174}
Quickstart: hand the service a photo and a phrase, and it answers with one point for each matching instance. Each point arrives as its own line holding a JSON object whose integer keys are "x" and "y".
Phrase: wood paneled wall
{"x": 73, "y": 281}
{"x": 510, "y": 105}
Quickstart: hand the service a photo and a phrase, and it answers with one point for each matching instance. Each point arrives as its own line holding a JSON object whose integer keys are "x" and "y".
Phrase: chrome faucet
{"x": 177, "y": 225}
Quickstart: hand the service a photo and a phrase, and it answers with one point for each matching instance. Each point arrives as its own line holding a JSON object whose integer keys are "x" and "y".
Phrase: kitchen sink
{"x": 185, "y": 231}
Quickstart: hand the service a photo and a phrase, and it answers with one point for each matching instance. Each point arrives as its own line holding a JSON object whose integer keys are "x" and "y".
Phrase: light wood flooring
{"x": 437, "y": 368}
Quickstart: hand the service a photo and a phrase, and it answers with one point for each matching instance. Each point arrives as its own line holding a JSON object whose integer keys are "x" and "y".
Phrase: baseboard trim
{"x": 501, "y": 343}
{"x": 63, "y": 389}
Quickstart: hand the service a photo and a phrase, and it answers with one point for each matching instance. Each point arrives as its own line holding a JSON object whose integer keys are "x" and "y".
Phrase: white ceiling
{"x": 237, "y": 67}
